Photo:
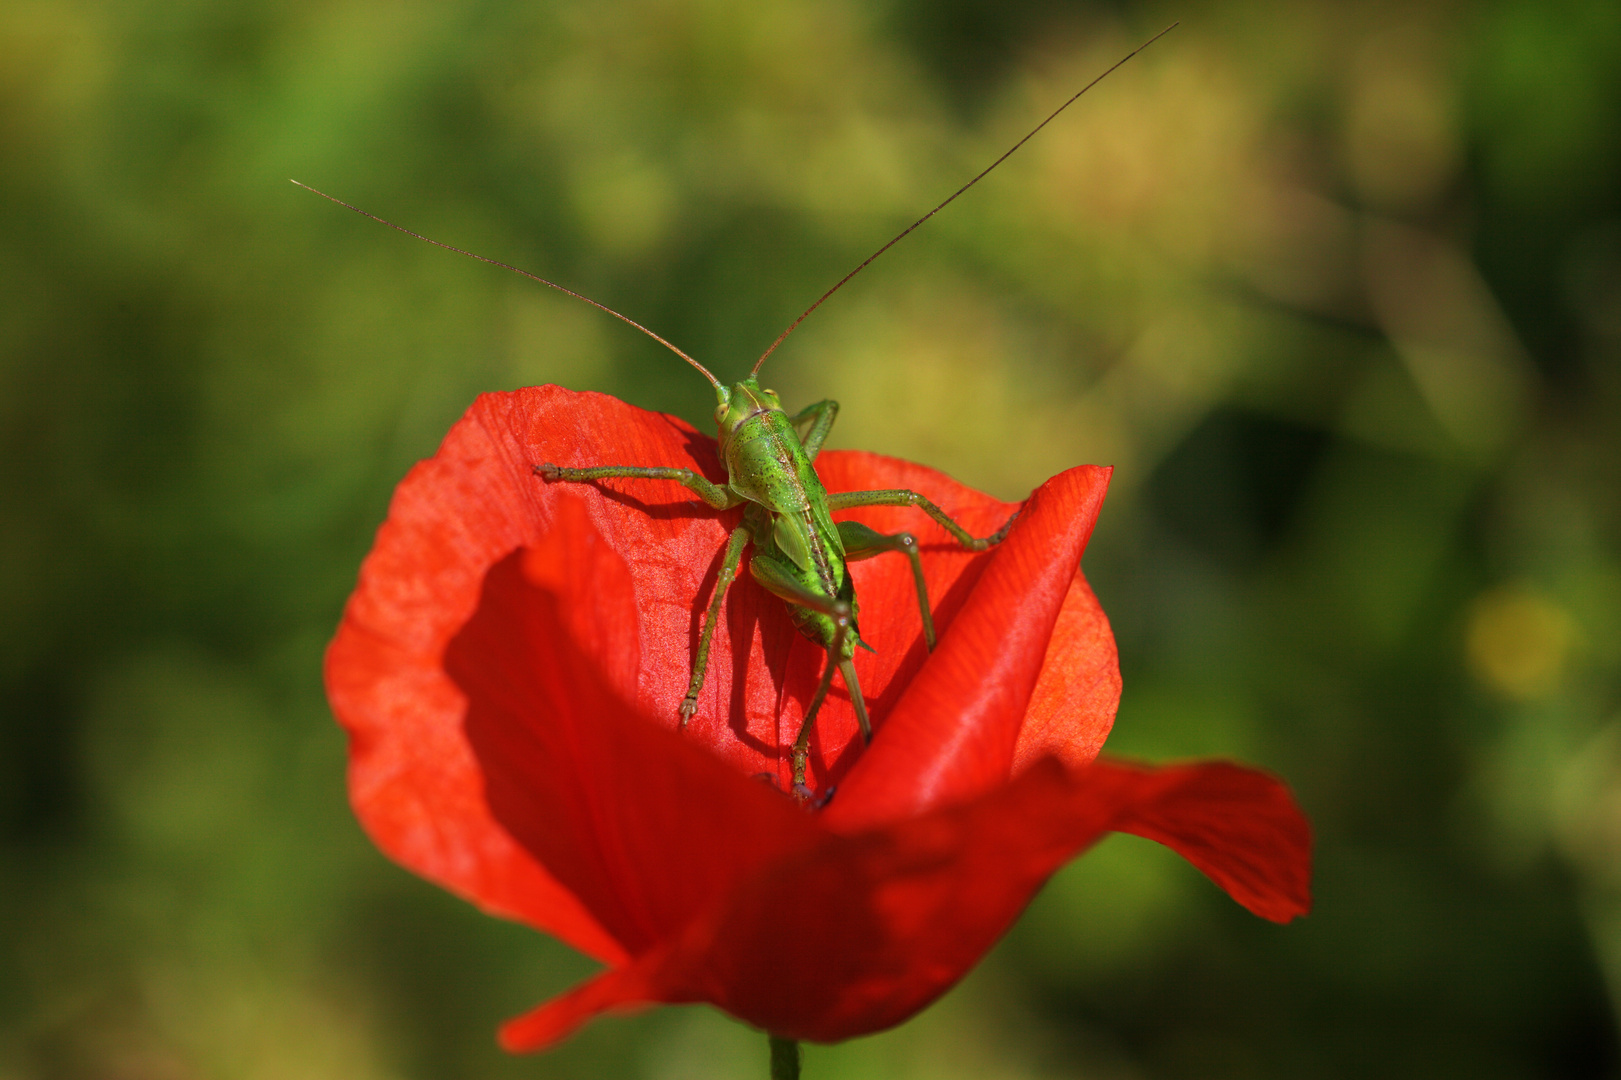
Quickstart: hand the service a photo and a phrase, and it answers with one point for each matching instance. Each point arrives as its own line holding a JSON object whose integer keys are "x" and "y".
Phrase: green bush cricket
{"x": 800, "y": 553}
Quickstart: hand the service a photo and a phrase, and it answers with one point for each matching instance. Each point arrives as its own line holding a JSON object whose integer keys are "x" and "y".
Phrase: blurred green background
{"x": 1336, "y": 288}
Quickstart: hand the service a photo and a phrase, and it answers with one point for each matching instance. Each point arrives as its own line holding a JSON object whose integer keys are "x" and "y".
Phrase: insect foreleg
{"x": 844, "y": 500}
{"x": 822, "y": 414}
{"x": 721, "y": 498}
{"x": 861, "y": 542}
{"x": 700, "y": 663}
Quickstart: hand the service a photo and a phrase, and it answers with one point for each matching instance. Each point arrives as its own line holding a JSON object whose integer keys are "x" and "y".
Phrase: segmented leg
{"x": 822, "y": 414}
{"x": 801, "y": 752}
{"x": 700, "y": 663}
{"x": 717, "y": 496}
{"x": 845, "y": 500}
{"x": 775, "y": 579}
{"x": 847, "y": 668}
{"x": 861, "y": 542}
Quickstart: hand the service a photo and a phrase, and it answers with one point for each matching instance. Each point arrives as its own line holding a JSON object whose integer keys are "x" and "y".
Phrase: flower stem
{"x": 784, "y": 1059}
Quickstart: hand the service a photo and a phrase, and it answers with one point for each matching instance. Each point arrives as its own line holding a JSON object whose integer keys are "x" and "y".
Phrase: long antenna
{"x": 532, "y": 277}
{"x": 904, "y": 232}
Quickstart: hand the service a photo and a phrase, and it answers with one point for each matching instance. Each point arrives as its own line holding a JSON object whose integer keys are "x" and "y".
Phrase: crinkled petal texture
{"x": 509, "y": 670}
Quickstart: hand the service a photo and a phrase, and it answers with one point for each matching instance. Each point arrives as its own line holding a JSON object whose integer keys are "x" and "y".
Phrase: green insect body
{"x": 800, "y": 553}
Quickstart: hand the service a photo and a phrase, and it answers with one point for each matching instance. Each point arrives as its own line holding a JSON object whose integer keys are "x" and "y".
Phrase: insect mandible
{"x": 800, "y": 554}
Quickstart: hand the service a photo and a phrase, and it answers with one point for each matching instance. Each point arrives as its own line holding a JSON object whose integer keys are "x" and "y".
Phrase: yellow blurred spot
{"x": 625, "y": 203}
{"x": 1519, "y": 642}
{"x": 1402, "y": 146}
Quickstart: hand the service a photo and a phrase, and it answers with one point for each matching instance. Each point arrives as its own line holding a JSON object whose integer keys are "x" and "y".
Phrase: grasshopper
{"x": 800, "y": 554}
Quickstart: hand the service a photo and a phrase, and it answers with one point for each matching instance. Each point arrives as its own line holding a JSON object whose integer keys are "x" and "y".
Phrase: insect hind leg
{"x": 801, "y": 751}
{"x": 775, "y": 579}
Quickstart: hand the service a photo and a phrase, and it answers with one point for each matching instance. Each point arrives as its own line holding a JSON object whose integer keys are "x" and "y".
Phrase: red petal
{"x": 863, "y": 931}
{"x": 645, "y": 827}
{"x": 1073, "y": 705}
{"x": 413, "y": 781}
{"x": 412, "y": 778}
{"x": 1239, "y": 826}
{"x": 620, "y": 990}
{"x": 954, "y": 732}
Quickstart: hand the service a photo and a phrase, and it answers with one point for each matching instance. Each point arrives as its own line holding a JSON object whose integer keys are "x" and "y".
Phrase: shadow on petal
{"x": 644, "y": 827}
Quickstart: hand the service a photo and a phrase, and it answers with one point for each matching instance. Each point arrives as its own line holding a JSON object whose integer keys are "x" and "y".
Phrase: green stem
{"x": 784, "y": 1059}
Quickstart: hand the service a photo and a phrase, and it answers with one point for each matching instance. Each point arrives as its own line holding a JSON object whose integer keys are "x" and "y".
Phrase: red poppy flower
{"x": 509, "y": 671}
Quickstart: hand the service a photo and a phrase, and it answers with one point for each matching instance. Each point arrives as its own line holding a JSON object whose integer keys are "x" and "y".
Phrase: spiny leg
{"x": 861, "y": 542}
{"x": 845, "y": 500}
{"x": 778, "y": 581}
{"x": 700, "y": 663}
{"x": 801, "y": 752}
{"x": 847, "y": 668}
{"x": 822, "y": 414}
{"x": 716, "y": 495}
